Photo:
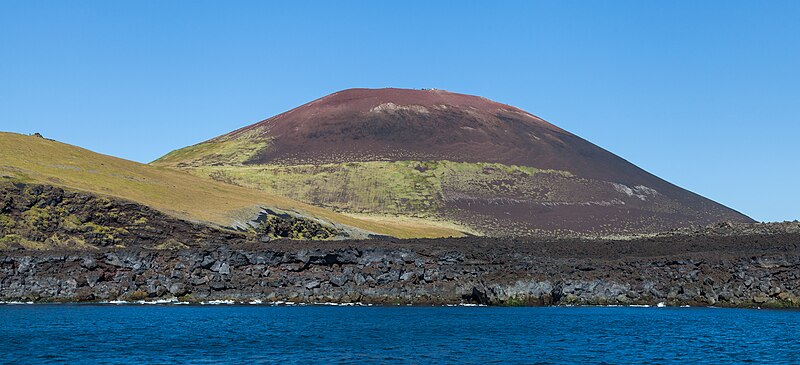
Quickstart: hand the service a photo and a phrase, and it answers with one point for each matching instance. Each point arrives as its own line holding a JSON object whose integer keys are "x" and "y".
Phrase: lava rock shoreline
{"x": 705, "y": 270}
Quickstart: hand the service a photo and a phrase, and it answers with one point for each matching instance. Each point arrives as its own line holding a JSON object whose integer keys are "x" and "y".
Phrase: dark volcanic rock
{"x": 735, "y": 270}
{"x": 51, "y": 217}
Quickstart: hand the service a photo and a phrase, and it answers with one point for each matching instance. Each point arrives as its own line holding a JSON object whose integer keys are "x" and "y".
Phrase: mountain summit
{"x": 460, "y": 160}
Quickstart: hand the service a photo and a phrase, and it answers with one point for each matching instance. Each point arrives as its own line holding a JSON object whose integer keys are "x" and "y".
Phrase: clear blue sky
{"x": 705, "y": 94}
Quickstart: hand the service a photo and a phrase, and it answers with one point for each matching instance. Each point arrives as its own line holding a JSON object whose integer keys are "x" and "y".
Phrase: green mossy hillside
{"x": 410, "y": 188}
{"x": 223, "y": 150}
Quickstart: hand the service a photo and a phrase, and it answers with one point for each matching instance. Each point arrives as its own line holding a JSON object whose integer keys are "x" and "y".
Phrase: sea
{"x": 326, "y": 334}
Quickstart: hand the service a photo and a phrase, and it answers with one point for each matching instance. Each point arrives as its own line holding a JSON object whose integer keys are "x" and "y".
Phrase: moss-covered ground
{"x": 222, "y": 150}
{"x": 406, "y": 188}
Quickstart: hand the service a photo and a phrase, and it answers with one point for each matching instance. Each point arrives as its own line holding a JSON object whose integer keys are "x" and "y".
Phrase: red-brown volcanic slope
{"x": 430, "y": 124}
{"x": 345, "y": 126}
{"x": 400, "y": 124}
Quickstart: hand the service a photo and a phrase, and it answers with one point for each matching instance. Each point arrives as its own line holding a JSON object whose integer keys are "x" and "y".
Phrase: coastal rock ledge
{"x": 747, "y": 271}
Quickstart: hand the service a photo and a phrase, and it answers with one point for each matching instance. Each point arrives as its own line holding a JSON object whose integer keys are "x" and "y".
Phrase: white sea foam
{"x": 172, "y": 300}
{"x": 218, "y": 302}
{"x": 661, "y": 304}
{"x": 332, "y": 304}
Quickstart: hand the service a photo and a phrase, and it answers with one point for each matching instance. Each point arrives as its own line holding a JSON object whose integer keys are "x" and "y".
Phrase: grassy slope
{"x": 221, "y": 150}
{"x": 37, "y": 160}
{"x": 399, "y": 191}
{"x": 413, "y": 188}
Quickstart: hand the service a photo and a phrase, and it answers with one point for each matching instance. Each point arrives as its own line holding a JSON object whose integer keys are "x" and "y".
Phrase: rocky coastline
{"x": 751, "y": 270}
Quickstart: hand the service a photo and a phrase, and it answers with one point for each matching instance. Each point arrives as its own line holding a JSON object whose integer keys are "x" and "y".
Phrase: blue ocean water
{"x": 137, "y": 334}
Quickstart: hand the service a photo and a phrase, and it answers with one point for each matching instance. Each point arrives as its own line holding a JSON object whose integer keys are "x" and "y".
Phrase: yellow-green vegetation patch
{"x": 222, "y": 150}
{"x": 6, "y": 223}
{"x": 11, "y": 240}
{"x": 286, "y": 226}
{"x": 110, "y": 234}
{"x": 433, "y": 224}
{"x": 36, "y": 217}
{"x": 55, "y": 241}
{"x": 410, "y": 188}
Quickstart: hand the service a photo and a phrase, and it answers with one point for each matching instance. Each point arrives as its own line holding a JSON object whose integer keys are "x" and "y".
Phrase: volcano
{"x": 460, "y": 160}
